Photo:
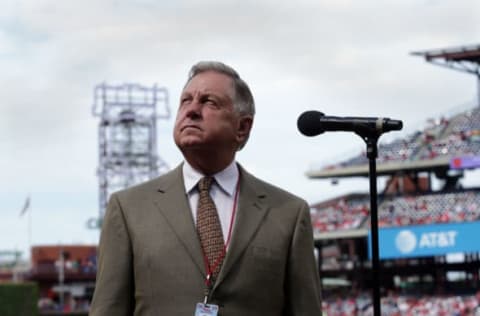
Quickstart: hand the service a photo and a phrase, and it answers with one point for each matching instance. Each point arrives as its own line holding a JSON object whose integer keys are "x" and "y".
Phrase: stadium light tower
{"x": 465, "y": 59}
{"x": 127, "y": 137}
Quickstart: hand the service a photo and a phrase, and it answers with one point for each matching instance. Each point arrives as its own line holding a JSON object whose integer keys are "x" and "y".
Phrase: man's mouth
{"x": 190, "y": 126}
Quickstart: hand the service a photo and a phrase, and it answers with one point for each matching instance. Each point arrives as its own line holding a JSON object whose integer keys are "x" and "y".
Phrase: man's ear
{"x": 243, "y": 129}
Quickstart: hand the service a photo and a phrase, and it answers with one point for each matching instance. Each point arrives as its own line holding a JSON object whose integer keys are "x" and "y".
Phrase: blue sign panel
{"x": 465, "y": 162}
{"x": 427, "y": 240}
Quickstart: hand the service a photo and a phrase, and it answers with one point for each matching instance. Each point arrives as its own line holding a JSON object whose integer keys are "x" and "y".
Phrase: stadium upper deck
{"x": 436, "y": 148}
{"x": 419, "y": 228}
{"x": 432, "y": 149}
{"x": 352, "y": 212}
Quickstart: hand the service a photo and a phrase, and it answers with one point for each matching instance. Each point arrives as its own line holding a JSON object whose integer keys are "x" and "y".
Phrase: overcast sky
{"x": 341, "y": 57}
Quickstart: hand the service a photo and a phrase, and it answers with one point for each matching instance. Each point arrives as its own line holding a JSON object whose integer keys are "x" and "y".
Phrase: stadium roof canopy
{"x": 385, "y": 169}
{"x": 465, "y": 58}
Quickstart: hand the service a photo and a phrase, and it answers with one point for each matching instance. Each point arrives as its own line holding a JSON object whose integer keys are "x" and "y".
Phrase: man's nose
{"x": 194, "y": 109}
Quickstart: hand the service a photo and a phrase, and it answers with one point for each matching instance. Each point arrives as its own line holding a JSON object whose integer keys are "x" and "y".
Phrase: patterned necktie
{"x": 209, "y": 227}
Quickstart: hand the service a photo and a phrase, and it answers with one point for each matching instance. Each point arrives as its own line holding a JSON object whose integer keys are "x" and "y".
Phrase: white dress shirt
{"x": 223, "y": 192}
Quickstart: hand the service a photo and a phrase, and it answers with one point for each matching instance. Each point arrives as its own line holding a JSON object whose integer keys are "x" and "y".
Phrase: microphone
{"x": 312, "y": 123}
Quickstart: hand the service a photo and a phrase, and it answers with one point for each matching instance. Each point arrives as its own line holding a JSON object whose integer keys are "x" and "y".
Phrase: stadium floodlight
{"x": 127, "y": 137}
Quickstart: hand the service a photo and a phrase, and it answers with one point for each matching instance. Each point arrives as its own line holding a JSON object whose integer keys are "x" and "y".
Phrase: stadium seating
{"x": 352, "y": 211}
{"x": 458, "y": 135}
{"x": 428, "y": 209}
{"x": 345, "y": 213}
{"x": 440, "y": 141}
{"x": 404, "y": 305}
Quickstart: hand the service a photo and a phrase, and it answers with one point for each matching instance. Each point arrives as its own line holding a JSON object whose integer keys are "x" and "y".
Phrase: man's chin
{"x": 190, "y": 144}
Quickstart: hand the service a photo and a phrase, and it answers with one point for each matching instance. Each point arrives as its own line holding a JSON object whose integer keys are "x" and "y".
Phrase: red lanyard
{"x": 212, "y": 268}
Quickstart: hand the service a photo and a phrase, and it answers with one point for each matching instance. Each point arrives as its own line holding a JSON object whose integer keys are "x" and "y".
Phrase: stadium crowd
{"x": 429, "y": 209}
{"x": 345, "y": 213}
{"x": 405, "y": 305}
{"x": 458, "y": 135}
{"x": 352, "y": 212}
{"x": 459, "y": 143}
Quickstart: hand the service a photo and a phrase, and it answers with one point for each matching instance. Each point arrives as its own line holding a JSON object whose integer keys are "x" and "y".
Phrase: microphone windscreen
{"x": 308, "y": 123}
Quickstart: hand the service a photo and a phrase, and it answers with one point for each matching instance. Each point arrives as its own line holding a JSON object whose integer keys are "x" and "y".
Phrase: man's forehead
{"x": 210, "y": 81}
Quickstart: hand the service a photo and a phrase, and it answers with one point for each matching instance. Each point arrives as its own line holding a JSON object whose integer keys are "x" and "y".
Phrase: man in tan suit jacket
{"x": 151, "y": 260}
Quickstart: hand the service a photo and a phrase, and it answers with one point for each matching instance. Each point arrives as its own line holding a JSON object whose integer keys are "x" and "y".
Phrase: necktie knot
{"x": 204, "y": 184}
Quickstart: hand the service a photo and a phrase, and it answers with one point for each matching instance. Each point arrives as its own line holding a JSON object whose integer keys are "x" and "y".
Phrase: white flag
{"x": 26, "y": 206}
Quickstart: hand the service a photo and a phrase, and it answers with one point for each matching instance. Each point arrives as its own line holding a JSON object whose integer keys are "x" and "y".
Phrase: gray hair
{"x": 243, "y": 102}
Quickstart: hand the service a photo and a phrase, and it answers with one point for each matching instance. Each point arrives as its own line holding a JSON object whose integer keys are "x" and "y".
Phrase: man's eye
{"x": 211, "y": 102}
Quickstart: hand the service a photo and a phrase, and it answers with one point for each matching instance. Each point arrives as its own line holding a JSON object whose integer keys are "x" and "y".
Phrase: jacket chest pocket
{"x": 266, "y": 260}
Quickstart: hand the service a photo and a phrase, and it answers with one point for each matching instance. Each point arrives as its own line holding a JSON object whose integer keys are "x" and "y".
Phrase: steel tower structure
{"x": 127, "y": 136}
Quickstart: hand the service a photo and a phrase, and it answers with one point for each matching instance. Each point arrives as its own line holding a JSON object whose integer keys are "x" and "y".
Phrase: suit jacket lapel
{"x": 251, "y": 210}
{"x": 173, "y": 204}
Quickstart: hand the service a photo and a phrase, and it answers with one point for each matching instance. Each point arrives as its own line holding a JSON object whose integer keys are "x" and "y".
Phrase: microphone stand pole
{"x": 371, "y": 139}
{"x": 309, "y": 124}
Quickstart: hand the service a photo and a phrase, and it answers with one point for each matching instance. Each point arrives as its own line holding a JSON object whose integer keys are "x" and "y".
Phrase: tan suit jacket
{"x": 151, "y": 263}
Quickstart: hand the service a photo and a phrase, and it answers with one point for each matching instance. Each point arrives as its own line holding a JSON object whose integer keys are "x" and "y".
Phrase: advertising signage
{"x": 465, "y": 162}
{"x": 427, "y": 240}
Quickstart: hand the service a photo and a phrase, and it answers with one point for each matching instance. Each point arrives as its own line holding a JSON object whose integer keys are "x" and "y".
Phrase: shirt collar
{"x": 226, "y": 179}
